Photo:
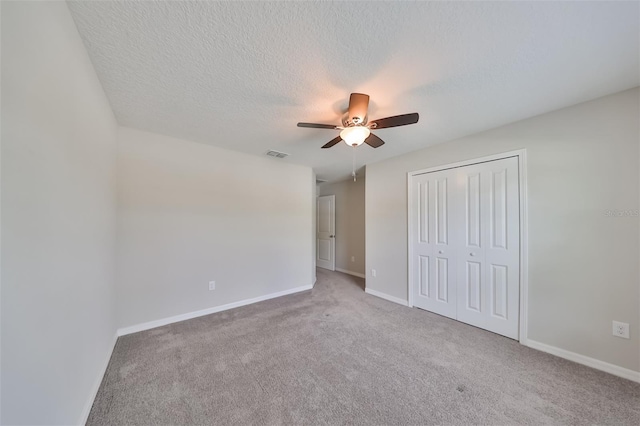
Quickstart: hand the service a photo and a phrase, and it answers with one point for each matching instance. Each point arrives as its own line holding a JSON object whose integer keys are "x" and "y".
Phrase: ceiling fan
{"x": 356, "y": 129}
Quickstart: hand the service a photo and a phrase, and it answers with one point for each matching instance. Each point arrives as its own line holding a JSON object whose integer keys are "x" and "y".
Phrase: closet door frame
{"x": 524, "y": 263}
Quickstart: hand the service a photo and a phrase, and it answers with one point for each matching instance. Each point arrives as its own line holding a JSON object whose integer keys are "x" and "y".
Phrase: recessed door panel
{"x": 424, "y": 276}
{"x": 473, "y": 286}
{"x": 498, "y": 209}
{"x": 324, "y": 214}
{"x": 441, "y": 211}
{"x": 499, "y": 291}
{"x": 472, "y": 210}
{"x": 423, "y": 213}
{"x": 324, "y": 250}
{"x": 442, "y": 279}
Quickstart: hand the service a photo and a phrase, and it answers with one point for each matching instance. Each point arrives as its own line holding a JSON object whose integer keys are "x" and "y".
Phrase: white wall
{"x": 583, "y": 266}
{"x": 58, "y": 218}
{"x": 190, "y": 213}
{"x": 349, "y": 222}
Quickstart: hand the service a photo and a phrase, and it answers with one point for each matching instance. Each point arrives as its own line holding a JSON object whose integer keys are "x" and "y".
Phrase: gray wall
{"x": 58, "y": 218}
{"x": 583, "y": 265}
{"x": 350, "y": 225}
{"x": 190, "y": 213}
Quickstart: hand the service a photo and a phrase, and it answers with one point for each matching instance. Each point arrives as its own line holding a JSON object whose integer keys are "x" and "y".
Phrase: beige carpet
{"x": 335, "y": 355}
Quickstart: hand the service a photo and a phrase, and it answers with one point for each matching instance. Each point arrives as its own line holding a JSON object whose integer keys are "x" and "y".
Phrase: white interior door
{"x": 326, "y": 232}
{"x": 476, "y": 231}
{"x": 434, "y": 258}
{"x": 489, "y": 256}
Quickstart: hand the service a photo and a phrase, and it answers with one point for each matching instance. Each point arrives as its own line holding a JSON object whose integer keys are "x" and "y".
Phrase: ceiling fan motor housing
{"x": 354, "y": 121}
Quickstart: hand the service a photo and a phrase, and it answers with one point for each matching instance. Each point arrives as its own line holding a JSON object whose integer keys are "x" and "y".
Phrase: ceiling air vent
{"x": 276, "y": 154}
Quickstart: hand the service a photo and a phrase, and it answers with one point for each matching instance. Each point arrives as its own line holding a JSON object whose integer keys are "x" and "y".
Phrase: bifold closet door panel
{"x": 434, "y": 231}
{"x": 488, "y": 273}
{"x": 472, "y": 211}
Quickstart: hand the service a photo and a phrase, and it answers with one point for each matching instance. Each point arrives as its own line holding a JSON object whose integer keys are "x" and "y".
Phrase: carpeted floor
{"x": 337, "y": 355}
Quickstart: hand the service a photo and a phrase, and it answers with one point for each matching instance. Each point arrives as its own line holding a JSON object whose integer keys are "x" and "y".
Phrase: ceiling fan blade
{"x": 358, "y": 105}
{"x": 317, "y": 126}
{"x": 332, "y": 142}
{"x": 395, "y": 121}
{"x": 374, "y": 141}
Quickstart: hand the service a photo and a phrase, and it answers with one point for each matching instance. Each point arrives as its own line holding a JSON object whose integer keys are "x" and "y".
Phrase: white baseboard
{"x": 182, "y": 317}
{"x": 585, "y": 360}
{"x": 386, "y": 297}
{"x": 96, "y": 386}
{"x": 355, "y": 274}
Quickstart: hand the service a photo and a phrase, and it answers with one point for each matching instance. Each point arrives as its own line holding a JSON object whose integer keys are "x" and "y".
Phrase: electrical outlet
{"x": 212, "y": 285}
{"x": 373, "y": 273}
{"x": 621, "y": 329}
{"x": 353, "y": 259}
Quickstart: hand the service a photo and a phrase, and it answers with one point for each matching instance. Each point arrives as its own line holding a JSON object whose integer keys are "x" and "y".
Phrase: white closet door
{"x": 434, "y": 270}
{"x": 465, "y": 241}
{"x": 488, "y": 272}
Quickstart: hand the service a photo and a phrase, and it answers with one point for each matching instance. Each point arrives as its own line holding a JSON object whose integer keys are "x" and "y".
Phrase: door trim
{"x": 521, "y": 154}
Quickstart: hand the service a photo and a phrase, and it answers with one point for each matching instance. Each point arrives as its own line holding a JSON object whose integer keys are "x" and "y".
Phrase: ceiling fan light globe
{"x": 355, "y": 136}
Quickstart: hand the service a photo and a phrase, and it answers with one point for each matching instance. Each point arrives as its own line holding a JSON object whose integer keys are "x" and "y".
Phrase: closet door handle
{"x": 472, "y": 254}
{"x": 439, "y": 251}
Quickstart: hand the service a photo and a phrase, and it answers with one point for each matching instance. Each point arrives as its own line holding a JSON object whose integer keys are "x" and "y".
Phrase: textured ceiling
{"x": 240, "y": 75}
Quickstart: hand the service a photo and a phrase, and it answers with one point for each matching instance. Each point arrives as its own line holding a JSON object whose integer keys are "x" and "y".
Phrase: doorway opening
{"x": 341, "y": 214}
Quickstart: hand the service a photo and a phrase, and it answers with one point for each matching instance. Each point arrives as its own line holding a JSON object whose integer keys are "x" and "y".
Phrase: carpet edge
{"x": 84, "y": 417}
{"x": 355, "y": 274}
{"x": 616, "y": 370}
{"x": 123, "y": 331}
{"x": 386, "y": 297}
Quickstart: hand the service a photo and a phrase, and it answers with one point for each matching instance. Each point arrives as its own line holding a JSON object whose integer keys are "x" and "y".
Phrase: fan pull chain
{"x": 353, "y": 168}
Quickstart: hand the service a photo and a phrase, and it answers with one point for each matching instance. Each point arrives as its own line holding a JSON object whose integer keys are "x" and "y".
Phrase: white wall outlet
{"x": 212, "y": 285}
{"x": 373, "y": 272}
{"x": 621, "y": 329}
{"x": 353, "y": 259}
